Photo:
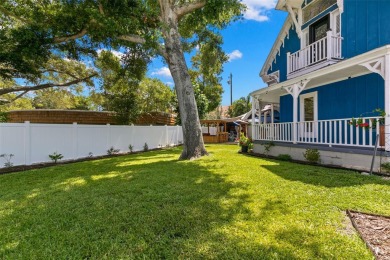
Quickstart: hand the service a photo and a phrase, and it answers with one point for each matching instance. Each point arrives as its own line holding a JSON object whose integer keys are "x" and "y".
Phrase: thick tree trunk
{"x": 193, "y": 146}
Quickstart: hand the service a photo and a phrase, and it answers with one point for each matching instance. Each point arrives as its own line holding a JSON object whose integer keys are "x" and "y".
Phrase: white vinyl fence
{"x": 32, "y": 143}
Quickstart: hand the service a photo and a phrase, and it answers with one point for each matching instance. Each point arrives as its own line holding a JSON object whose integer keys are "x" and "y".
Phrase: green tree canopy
{"x": 32, "y": 32}
{"x": 240, "y": 107}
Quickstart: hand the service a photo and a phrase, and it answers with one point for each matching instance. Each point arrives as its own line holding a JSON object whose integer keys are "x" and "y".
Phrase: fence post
{"x": 75, "y": 140}
{"x": 177, "y": 134}
{"x": 132, "y": 136}
{"x": 27, "y": 143}
{"x": 1, "y": 142}
{"x": 108, "y": 136}
{"x": 166, "y": 136}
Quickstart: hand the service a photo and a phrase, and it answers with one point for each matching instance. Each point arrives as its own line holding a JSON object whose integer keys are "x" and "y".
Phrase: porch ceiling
{"x": 333, "y": 73}
{"x": 338, "y": 75}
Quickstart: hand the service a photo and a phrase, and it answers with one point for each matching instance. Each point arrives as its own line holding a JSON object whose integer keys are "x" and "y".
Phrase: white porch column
{"x": 294, "y": 90}
{"x": 382, "y": 67}
{"x": 253, "y": 118}
{"x": 295, "y": 113}
{"x": 387, "y": 100}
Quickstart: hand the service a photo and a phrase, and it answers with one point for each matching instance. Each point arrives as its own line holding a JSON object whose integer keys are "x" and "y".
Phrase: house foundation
{"x": 345, "y": 157}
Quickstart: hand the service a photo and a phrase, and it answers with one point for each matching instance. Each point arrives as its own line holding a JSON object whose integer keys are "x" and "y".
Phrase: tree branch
{"x": 44, "y": 86}
{"x": 59, "y": 72}
{"x": 101, "y": 10}
{"x": 188, "y": 8}
{"x": 70, "y": 37}
{"x": 10, "y": 14}
{"x": 132, "y": 38}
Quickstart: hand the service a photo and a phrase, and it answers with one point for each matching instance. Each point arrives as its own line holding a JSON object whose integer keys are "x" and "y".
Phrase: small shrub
{"x": 7, "y": 158}
{"x": 131, "y": 148}
{"x": 312, "y": 155}
{"x": 284, "y": 157}
{"x": 386, "y": 166}
{"x": 3, "y": 117}
{"x": 146, "y": 147}
{"x": 55, "y": 157}
{"x": 250, "y": 148}
{"x": 112, "y": 151}
{"x": 267, "y": 147}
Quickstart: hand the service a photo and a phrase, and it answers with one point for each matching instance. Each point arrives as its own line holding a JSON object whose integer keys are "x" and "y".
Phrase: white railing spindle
{"x": 326, "y": 48}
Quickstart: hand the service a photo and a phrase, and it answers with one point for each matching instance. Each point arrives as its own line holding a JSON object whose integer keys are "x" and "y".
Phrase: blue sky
{"x": 247, "y": 42}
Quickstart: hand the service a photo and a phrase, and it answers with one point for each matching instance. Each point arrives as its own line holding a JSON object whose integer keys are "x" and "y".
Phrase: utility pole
{"x": 230, "y": 81}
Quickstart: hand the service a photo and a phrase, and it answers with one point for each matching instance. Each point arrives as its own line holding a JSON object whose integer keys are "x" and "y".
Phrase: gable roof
{"x": 284, "y": 32}
{"x": 283, "y": 5}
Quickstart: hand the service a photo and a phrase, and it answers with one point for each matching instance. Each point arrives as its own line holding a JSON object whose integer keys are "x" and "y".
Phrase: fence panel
{"x": 32, "y": 143}
{"x": 46, "y": 139}
{"x": 92, "y": 139}
{"x": 12, "y": 142}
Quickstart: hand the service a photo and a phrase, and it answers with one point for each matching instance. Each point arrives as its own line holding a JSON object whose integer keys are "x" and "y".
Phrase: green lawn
{"x": 150, "y": 205}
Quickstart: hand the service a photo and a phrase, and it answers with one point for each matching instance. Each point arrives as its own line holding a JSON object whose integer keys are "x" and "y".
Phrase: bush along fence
{"x": 33, "y": 143}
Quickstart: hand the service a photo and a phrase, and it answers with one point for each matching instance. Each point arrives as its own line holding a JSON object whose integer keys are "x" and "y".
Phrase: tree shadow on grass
{"x": 320, "y": 176}
{"x": 117, "y": 208}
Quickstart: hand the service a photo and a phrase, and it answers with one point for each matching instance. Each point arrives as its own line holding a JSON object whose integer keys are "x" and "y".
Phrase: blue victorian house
{"x": 328, "y": 76}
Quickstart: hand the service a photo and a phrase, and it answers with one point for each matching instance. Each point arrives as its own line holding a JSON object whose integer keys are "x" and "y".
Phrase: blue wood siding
{"x": 343, "y": 99}
{"x": 365, "y": 26}
{"x": 291, "y": 44}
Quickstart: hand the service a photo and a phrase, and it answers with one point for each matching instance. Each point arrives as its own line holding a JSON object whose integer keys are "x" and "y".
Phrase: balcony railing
{"x": 346, "y": 132}
{"x": 315, "y": 53}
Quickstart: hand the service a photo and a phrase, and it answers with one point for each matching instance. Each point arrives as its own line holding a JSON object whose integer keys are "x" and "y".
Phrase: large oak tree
{"x": 32, "y": 31}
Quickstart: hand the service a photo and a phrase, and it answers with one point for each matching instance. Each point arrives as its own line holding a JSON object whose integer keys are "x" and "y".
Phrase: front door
{"x": 308, "y": 116}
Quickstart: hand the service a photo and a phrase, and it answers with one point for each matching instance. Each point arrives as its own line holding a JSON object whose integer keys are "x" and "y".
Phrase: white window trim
{"x": 332, "y": 18}
{"x": 302, "y": 97}
{"x": 304, "y": 38}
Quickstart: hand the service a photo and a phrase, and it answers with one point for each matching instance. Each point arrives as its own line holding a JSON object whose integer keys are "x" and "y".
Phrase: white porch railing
{"x": 361, "y": 132}
{"x": 315, "y": 53}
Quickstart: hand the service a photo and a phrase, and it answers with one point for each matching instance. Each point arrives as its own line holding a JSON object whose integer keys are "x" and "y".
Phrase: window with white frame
{"x": 273, "y": 78}
{"x": 308, "y": 114}
{"x": 317, "y": 30}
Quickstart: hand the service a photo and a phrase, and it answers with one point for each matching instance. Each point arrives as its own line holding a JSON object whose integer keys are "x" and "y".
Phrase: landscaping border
{"x": 21, "y": 168}
{"x": 354, "y": 224}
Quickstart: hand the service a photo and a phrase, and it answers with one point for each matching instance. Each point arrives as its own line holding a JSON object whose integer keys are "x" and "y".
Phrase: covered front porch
{"x": 361, "y": 132}
{"x": 346, "y": 129}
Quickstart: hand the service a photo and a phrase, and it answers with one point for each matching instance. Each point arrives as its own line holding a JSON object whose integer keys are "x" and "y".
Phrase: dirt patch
{"x": 374, "y": 230}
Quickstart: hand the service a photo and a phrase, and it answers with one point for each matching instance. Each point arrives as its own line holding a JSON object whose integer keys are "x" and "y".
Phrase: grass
{"x": 150, "y": 205}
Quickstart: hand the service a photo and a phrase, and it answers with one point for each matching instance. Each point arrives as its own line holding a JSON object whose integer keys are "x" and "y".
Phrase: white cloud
{"x": 164, "y": 72}
{"x": 257, "y": 9}
{"x": 169, "y": 83}
{"x": 235, "y": 55}
{"x": 118, "y": 54}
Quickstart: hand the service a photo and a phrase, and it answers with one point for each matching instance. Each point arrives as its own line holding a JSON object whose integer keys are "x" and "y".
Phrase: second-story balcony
{"x": 317, "y": 55}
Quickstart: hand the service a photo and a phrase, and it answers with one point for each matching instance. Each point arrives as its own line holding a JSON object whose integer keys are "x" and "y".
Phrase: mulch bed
{"x": 374, "y": 230}
{"x": 20, "y": 168}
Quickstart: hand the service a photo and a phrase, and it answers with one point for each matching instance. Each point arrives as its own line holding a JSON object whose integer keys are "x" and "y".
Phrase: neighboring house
{"x": 328, "y": 70}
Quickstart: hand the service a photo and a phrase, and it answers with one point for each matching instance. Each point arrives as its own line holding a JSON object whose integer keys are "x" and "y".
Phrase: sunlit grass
{"x": 151, "y": 205}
